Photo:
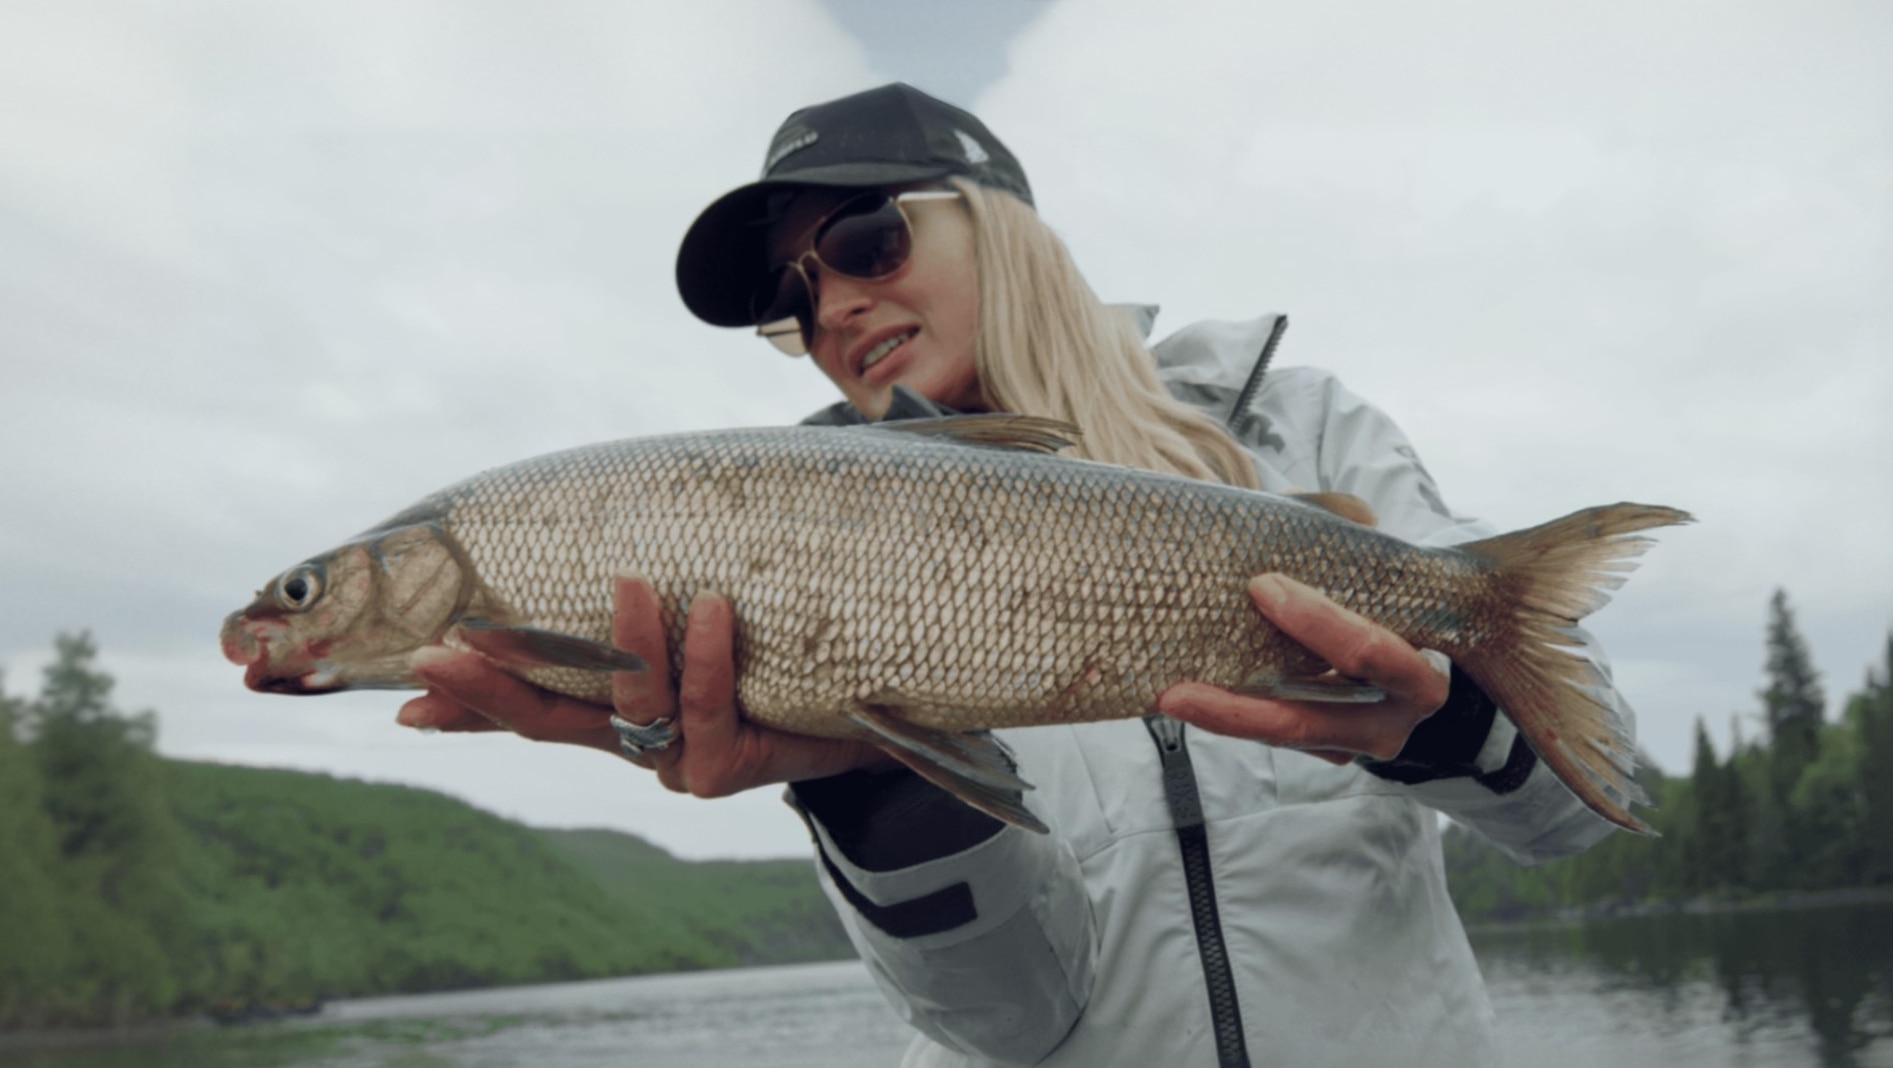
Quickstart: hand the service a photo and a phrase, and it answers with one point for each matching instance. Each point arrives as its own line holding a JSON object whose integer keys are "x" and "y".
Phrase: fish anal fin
{"x": 995, "y": 430}
{"x": 526, "y": 648}
{"x": 1345, "y": 505}
{"x": 1329, "y": 688}
{"x": 971, "y": 767}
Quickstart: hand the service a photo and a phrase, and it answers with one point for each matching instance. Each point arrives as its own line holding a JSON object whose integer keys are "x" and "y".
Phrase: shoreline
{"x": 1697, "y": 906}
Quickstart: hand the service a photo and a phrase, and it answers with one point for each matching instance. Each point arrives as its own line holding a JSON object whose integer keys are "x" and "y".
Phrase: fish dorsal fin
{"x": 1345, "y": 505}
{"x": 995, "y": 430}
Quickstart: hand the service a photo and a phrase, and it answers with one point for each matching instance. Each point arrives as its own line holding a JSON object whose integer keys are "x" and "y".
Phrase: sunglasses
{"x": 867, "y": 237}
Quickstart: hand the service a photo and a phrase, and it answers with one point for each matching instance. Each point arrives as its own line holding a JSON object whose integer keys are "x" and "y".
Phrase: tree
{"x": 92, "y": 758}
{"x": 1720, "y": 840}
{"x": 1792, "y": 711}
{"x": 1870, "y": 712}
{"x": 1792, "y": 702}
{"x": 35, "y": 952}
{"x": 101, "y": 790}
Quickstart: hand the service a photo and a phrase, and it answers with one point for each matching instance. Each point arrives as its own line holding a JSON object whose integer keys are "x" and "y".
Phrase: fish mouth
{"x": 297, "y": 685}
{"x": 326, "y": 676}
{"x": 241, "y": 645}
{"x": 247, "y": 643}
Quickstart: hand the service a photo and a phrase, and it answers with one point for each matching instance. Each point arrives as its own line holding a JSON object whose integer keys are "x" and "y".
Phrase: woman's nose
{"x": 839, "y": 298}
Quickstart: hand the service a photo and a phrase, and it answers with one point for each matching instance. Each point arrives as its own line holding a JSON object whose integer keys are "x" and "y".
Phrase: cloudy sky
{"x": 270, "y": 272}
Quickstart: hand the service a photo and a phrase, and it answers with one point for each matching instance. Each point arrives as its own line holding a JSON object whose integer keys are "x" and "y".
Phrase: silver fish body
{"x": 945, "y": 576}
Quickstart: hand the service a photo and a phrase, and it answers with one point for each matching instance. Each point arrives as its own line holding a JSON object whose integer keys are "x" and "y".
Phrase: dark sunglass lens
{"x": 867, "y": 244}
{"x": 784, "y": 298}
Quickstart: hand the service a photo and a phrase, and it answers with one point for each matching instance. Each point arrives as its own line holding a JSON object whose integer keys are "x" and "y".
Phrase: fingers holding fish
{"x": 711, "y": 761}
{"x": 1335, "y": 733}
{"x": 1413, "y": 686}
{"x": 467, "y": 681}
{"x": 1354, "y": 646}
{"x": 435, "y": 711}
{"x": 643, "y": 698}
{"x": 721, "y": 751}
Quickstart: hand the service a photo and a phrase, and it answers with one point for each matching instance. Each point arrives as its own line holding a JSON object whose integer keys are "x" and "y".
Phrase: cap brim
{"x": 724, "y": 257}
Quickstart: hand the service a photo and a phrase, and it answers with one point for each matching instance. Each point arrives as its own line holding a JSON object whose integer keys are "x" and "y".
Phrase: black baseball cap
{"x": 886, "y": 136}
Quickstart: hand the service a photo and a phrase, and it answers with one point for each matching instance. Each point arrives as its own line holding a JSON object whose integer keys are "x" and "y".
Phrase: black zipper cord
{"x": 1249, "y": 388}
{"x": 1186, "y": 811}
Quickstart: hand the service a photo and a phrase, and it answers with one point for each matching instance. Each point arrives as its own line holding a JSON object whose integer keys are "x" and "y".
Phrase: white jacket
{"x": 1079, "y": 947}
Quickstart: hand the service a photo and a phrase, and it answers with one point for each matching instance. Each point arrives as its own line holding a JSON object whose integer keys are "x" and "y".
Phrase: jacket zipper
{"x": 1254, "y": 383}
{"x": 1186, "y": 811}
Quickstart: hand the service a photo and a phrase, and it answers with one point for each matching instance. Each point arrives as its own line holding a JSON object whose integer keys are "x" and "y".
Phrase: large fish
{"x": 917, "y": 583}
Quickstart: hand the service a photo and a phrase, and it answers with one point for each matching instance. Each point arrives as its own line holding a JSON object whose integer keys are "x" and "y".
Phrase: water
{"x": 801, "y": 1016}
{"x": 1788, "y": 988}
{"x": 1811, "y": 986}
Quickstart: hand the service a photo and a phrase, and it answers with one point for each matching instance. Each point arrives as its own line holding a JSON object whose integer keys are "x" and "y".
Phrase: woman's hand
{"x": 1415, "y": 685}
{"x": 716, "y": 752}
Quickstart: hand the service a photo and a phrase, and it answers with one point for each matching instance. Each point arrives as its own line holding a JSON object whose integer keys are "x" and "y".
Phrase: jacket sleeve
{"x": 979, "y": 933}
{"x": 1467, "y": 760}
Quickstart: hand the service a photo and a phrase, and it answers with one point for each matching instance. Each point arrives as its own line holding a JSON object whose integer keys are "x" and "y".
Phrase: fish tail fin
{"x": 1547, "y": 578}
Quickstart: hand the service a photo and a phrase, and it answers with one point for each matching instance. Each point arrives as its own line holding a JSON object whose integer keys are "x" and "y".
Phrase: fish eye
{"x": 300, "y": 588}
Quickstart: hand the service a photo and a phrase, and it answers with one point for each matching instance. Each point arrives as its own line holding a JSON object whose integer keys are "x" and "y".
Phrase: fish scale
{"x": 913, "y": 582}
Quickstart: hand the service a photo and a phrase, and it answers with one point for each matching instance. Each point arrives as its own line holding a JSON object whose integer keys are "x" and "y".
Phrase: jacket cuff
{"x": 885, "y": 820}
{"x": 1465, "y": 738}
{"x": 965, "y": 874}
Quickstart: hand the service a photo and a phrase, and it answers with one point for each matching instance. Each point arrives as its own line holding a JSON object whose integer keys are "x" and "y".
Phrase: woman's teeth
{"x": 876, "y": 353}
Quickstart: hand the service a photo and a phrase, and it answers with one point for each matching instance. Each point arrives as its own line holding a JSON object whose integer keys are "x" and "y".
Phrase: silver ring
{"x": 637, "y": 739}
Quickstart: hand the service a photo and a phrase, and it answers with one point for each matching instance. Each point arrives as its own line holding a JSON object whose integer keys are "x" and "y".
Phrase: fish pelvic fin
{"x": 996, "y": 430}
{"x": 1326, "y": 688}
{"x": 530, "y": 648}
{"x": 1549, "y": 577}
{"x": 972, "y": 767}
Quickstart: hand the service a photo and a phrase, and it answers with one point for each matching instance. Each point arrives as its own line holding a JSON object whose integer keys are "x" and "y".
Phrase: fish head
{"x": 350, "y": 618}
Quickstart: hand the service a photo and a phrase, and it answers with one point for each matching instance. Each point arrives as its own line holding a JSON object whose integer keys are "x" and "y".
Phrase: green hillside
{"x": 751, "y": 911}
{"x": 138, "y": 887}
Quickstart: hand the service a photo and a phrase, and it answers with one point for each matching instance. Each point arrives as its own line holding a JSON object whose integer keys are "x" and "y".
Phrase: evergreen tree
{"x": 100, "y": 789}
{"x": 1766, "y": 841}
{"x": 1792, "y": 702}
{"x": 91, "y": 757}
{"x": 1718, "y": 838}
{"x": 1871, "y": 714}
{"x": 1826, "y": 811}
{"x": 1792, "y": 709}
{"x": 1738, "y": 814}
{"x": 35, "y": 953}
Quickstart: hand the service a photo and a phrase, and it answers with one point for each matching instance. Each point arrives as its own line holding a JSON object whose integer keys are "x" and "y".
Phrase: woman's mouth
{"x": 880, "y": 352}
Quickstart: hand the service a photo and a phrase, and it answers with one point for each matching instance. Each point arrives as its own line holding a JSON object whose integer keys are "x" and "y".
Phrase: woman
{"x": 1201, "y": 899}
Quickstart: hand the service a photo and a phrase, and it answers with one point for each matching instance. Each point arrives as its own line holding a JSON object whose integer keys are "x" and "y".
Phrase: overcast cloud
{"x": 268, "y": 274}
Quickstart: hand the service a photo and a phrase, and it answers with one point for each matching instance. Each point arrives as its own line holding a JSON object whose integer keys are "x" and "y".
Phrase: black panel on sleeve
{"x": 1446, "y": 743}
{"x": 894, "y": 819}
{"x": 942, "y": 910}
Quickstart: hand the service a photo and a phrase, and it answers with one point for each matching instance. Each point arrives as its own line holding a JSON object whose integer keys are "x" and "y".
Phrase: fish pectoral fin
{"x": 971, "y": 767}
{"x": 1345, "y": 505}
{"x": 531, "y": 647}
{"x": 995, "y": 430}
{"x": 1330, "y": 687}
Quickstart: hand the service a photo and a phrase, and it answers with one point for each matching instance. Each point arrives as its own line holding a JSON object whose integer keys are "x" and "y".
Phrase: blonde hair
{"x": 1049, "y": 347}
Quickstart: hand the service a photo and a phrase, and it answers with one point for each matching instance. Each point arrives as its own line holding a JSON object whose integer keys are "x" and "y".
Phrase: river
{"x": 1808, "y": 986}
